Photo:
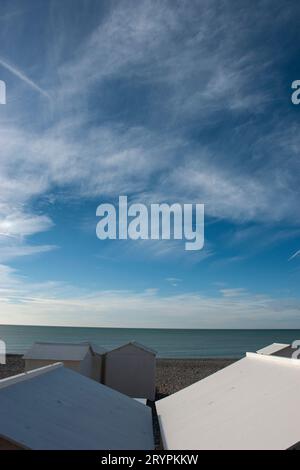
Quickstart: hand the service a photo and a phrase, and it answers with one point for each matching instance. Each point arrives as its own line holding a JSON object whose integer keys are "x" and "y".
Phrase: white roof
{"x": 252, "y": 404}
{"x": 272, "y": 348}
{"x": 57, "y": 408}
{"x": 61, "y": 351}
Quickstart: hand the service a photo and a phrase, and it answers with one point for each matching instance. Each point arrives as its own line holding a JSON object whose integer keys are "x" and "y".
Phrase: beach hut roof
{"x": 252, "y": 404}
{"x": 61, "y": 351}
{"x": 288, "y": 351}
{"x": 57, "y": 408}
{"x": 279, "y": 349}
{"x": 136, "y": 345}
{"x": 272, "y": 348}
{"x": 96, "y": 349}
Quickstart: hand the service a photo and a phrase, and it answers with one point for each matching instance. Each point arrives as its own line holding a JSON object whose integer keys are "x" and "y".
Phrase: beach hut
{"x": 251, "y": 405}
{"x": 130, "y": 369}
{"x": 55, "y": 408}
{"x": 84, "y": 358}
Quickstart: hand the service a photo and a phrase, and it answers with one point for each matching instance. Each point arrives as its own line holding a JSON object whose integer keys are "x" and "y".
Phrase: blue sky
{"x": 163, "y": 101}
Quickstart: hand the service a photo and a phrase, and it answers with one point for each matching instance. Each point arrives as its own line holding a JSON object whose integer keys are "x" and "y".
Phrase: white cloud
{"x": 22, "y": 225}
{"x": 206, "y": 68}
{"x": 16, "y": 250}
{"x": 108, "y": 162}
{"x": 56, "y": 304}
{"x": 237, "y": 292}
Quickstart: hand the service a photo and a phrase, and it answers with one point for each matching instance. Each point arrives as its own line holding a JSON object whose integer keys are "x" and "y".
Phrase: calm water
{"x": 168, "y": 343}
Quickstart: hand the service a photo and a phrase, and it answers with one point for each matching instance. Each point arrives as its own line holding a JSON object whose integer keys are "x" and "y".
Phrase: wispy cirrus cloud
{"x": 203, "y": 65}
{"x": 163, "y": 101}
{"x": 10, "y": 252}
{"x": 21, "y": 225}
{"x": 15, "y": 228}
{"x": 207, "y": 69}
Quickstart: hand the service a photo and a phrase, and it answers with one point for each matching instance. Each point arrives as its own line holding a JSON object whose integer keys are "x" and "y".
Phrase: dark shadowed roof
{"x": 286, "y": 352}
{"x": 57, "y": 408}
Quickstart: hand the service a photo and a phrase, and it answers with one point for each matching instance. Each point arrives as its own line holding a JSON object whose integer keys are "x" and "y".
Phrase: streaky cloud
{"x": 21, "y": 75}
{"x": 295, "y": 255}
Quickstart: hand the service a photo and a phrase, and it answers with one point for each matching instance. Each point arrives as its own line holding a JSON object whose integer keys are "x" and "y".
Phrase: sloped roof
{"x": 252, "y": 404}
{"x": 61, "y": 351}
{"x": 98, "y": 349}
{"x": 57, "y": 408}
{"x": 135, "y": 344}
{"x": 278, "y": 349}
{"x": 272, "y": 348}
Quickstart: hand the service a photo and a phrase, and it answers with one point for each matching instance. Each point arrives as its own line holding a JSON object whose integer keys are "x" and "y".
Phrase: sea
{"x": 169, "y": 343}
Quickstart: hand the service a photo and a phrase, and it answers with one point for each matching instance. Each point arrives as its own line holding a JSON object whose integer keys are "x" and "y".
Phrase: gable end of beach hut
{"x": 130, "y": 369}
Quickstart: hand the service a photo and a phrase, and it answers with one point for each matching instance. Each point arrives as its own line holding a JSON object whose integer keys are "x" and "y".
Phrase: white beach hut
{"x": 54, "y": 408}
{"x": 254, "y": 404}
{"x": 84, "y": 358}
{"x": 130, "y": 369}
